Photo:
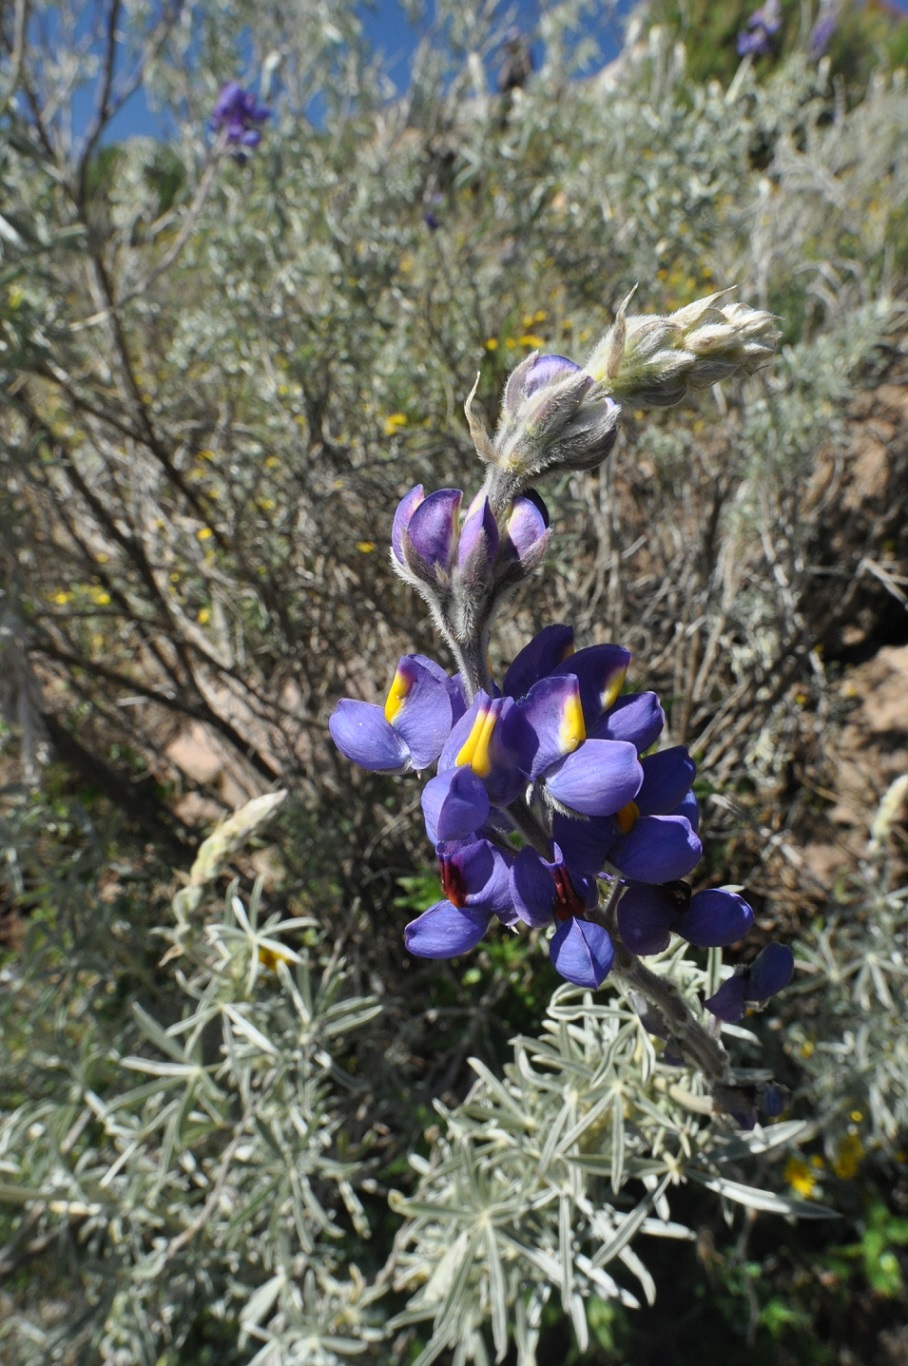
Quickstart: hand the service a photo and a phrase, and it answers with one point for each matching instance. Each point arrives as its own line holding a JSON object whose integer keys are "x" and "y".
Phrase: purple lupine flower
{"x": 561, "y": 737}
{"x": 476, "y": 742}
{"x": 770, "y": 971}
{"x": 455, "y": 805}
{"x": 544, "y": 891}
{"x": 477, "y": 549}
{"x": 820, "y": 35}
{"x": 524, "y": 540}
{"x": 237, "y": 114}
{"x": 757, "y": 35}
{"x": 476, "y": 884}
{"x": 549, "y": 647}
{"x": 432, "y": 219}
{"x": 424, "y": 534}
{"x": 410, "y": 731}
{"x": 712, "y": 918}
{"x": 652, "y": 838}
{"x": 546, "y": 733}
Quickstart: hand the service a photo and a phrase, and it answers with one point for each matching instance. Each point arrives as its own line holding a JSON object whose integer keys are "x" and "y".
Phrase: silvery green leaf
{"x": 578, "y": 1320}
{"x": 633, "y": 1263}
{"x": 617, "y": 1174}
{"x": 158, "y": 1068}
{"x": 565, "y": 1248}
{"x": 498, "y": 1295}
{"x": 606, "y": 1285}
{"x": 249, "y": 1031}
{"x": 563, "y": 1117}
{"x": 500, "y": 1092}
{"x": 764, "y": 1140}
{"x": 754, "y": 1198}
{"x": 586, "y": 1121}
{"x": 350, "y": 1015}
{"x": 666, "y": 1228}
{"x": 156, "y": 1035}
{"x": 260, "y": 1304}
{"x": 629, "y": 1225}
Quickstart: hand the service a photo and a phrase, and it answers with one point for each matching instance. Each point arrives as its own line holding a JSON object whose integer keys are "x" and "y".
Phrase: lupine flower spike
{"x": 549, "y": 803}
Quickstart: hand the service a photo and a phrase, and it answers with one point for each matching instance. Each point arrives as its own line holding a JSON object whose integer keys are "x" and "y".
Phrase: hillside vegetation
{"x": 232, "y": 1113}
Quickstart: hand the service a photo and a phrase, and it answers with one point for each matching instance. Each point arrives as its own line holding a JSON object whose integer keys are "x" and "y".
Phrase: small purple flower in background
{"x": 757, "y": 35}
{"x": 430, "y": 217}
{"x": 821, "y": 33}
{"x": 237, "y": 114}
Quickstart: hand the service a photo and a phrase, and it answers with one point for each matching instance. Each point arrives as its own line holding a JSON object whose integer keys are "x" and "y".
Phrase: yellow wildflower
{"x": 269, "y": 958}
{"x": 800, "y": 1177}
{"x": 204, "y": 533}
{"x": 394, "y": 422}
{"x": 365, "y": 547}
{"x": 847, "y": 1160}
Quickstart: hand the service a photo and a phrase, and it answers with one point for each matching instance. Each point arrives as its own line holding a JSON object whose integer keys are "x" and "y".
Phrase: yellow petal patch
{"x": 626, "y": 818}
{"x": 847, "y": 1160}
{"x": 475, "y": 752}
{"x": 572, "y": 731}
{"x": 397, "y": 696}
{"x": 611, "y": 692}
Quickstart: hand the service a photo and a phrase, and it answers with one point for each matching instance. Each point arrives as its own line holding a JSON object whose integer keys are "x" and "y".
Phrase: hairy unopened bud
{"x": 526, "y": 537}
{"x": 653, "y": 361}
{"x": 553, "y": 416}
{"x": 478, "y": 546}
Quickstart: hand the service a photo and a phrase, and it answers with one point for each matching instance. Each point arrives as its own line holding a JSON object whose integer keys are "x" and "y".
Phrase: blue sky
{"x": 387, "y": 29}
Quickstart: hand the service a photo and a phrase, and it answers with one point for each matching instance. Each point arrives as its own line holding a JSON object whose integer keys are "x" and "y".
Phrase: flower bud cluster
{"x": 653, "y": 361}
{"x": 553, "y": 416}
{"x": 434, "y": 549}
{"x": 558, "y": 415}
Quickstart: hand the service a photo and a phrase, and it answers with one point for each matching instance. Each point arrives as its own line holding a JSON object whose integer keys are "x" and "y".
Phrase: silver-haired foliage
{"x": 216, "y": 380}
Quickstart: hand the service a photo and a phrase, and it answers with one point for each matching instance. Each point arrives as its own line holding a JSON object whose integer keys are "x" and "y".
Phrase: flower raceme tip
{"x": 445, "y": 554}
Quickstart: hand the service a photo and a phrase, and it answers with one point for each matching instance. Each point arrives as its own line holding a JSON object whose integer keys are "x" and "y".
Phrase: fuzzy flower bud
{"x": 653, "y": 361}
{"x": 553, "y": 416}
